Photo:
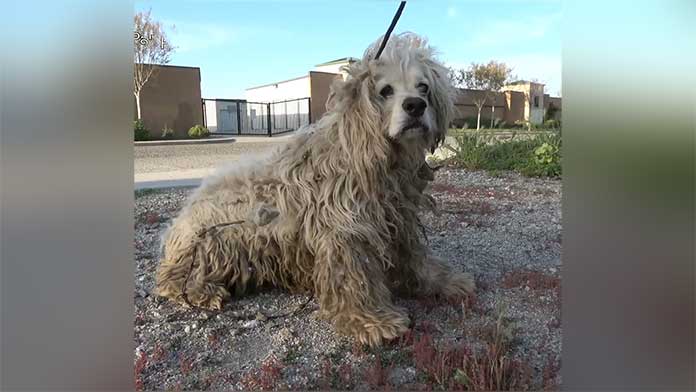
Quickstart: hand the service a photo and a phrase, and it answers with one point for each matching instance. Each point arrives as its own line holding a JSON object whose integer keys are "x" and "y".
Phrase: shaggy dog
{"x": 334, "y": 212}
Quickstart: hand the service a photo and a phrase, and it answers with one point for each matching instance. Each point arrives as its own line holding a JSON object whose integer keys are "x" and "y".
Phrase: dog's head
{"x": 406, "y": 89}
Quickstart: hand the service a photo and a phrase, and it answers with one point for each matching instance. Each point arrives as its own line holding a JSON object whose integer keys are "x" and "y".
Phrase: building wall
{"x": 333, "y": 68}
{"x": 515, "y": 104}
{"x": 281, "y": 91}
{"x": 534, "y": 100}
{"x": 221, "y": 116}
{"x": 556, "y": 102}
{"x": 320, "y": 86}
{"x": 172, "y": 97}
{"x": 536, "y": 103}
{"x": 466, "y": 110}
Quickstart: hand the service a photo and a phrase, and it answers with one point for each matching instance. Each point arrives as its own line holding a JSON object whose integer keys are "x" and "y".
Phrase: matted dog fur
{"x": 333, "y": 212}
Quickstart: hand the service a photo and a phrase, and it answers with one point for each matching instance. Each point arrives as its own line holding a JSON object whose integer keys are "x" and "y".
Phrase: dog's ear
{"x": 360, "y": 123}
{"x": 344, "y": 93}
{"x": 335, "y": 85}
{"x": 441, "y": 97}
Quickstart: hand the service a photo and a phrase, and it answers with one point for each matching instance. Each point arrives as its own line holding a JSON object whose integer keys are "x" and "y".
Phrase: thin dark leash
{"x": 391, "y": 28}
{"x": 214, "y": 229}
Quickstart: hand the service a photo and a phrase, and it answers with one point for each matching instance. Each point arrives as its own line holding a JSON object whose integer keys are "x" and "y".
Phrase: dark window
{"x": 536, "y": 102}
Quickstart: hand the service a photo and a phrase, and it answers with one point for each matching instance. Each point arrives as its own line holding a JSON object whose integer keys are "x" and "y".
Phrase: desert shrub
{"x": 140, "y": 132}
{"x": 552, "y": 124}
{"x": 537, "y": 156}
{"x": 546, "y": 159}
{"x": 470, "y": 151}
{"x": 167, "y": 133}
{"x": 198, "y": 132}
{"x": 470, "y": 123}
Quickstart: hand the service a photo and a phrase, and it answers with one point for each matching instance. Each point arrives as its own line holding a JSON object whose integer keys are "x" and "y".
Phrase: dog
{"x": 335, "y": 211}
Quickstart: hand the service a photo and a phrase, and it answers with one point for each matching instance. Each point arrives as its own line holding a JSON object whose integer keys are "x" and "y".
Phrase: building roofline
{"x": 341, "y": 60}
{"x": 324, "y": 72}
{"x": 174, "y": 66}
{"x": 522, "y": 81}
{"x": 274, "y": 83}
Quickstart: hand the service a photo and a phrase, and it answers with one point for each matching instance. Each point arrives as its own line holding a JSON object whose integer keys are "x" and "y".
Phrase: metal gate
{"x": 240, "y": 117}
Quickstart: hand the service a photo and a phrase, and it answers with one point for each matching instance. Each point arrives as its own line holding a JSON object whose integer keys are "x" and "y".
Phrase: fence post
{"x": 239, "y": 120}
{"x": 205, "y": 119}
{"x": 309, "y": 110}
{"x": 268, "y": 111}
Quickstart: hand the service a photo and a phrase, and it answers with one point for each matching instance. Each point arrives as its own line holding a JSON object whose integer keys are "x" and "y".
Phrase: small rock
{"x": 250, "y": 324}
{"x": 285, "y": 333}
{"x": 261, "y": 317}
{"x": 187, "y": 329}
{"x": 194, "y": 325}
{"x": 399, "y": 376}
{"x": 553, "y": 270}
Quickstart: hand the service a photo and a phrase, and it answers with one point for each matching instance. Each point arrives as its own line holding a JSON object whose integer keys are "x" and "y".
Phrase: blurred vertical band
{"x": 629, "y": 96}
{"x": 66, "y": 229}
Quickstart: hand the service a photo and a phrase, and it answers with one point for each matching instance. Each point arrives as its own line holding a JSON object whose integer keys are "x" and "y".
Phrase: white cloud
{"x": 188, "y": 37}
{"x": 451, "y": 11}
{"x": 513, "y": 31}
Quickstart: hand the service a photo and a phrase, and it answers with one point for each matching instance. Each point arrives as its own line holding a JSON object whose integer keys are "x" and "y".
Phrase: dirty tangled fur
{"x": 333, "y": 212}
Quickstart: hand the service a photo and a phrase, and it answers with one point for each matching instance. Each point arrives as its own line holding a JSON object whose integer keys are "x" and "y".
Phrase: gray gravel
{"x": 151, "y": 159}
{"x": 504, "y": 230}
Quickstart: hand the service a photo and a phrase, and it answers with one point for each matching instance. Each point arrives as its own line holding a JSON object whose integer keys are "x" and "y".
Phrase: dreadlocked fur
{"x": 333, "y": 212}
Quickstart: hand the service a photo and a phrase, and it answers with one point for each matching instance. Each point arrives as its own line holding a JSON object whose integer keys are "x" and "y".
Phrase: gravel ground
{"x": 505, "y": 230}
{"x": 153, "y": 159}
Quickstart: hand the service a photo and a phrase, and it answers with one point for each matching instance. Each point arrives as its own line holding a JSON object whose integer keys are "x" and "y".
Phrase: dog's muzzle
{"x": 414, "y": 124}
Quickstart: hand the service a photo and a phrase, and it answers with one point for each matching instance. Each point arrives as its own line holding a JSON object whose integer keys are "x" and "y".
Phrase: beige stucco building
{"x": 520, "y": 101}
{"x": 315, "y": 85}
{"x": 172, "y": 98}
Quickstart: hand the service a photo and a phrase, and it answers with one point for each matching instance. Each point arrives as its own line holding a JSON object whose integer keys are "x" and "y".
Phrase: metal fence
{"x": 240, "y": 117}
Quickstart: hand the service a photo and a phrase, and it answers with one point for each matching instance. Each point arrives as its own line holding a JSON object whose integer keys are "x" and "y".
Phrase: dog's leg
{"x": 201, "y": 274}
{"x": 353, "y": 294}
{"x": 435, "y": 276}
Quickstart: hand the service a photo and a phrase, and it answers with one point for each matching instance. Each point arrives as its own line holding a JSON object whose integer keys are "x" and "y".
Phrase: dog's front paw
{"x": 459, "y": 285}
{"x": 388, "y": 327}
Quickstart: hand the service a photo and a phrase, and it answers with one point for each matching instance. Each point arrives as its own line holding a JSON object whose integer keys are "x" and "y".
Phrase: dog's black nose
{"x": 414, "y": 106}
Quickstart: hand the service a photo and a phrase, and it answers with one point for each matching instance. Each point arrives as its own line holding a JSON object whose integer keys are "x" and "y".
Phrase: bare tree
{"x": 488, "y": 78}
{"x": 151, "y": 48}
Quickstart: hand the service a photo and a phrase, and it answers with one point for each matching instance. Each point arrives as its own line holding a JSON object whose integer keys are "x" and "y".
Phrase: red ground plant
{"x": 266, "y": 378}
{"x": 377, "y": 375}
{"x": 535, "y": 280}
{"x": 140, "y": 365}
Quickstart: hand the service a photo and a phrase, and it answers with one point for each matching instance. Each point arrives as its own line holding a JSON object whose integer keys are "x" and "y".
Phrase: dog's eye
{"x": 387, "y": 91}
{"x": 423, "y": 88}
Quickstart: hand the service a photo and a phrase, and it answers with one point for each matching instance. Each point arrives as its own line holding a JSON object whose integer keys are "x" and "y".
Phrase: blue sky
{"x": 240, "y": 44}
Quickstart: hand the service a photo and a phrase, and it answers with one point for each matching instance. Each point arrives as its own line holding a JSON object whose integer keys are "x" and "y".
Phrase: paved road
{"x": 156, "y": 166}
